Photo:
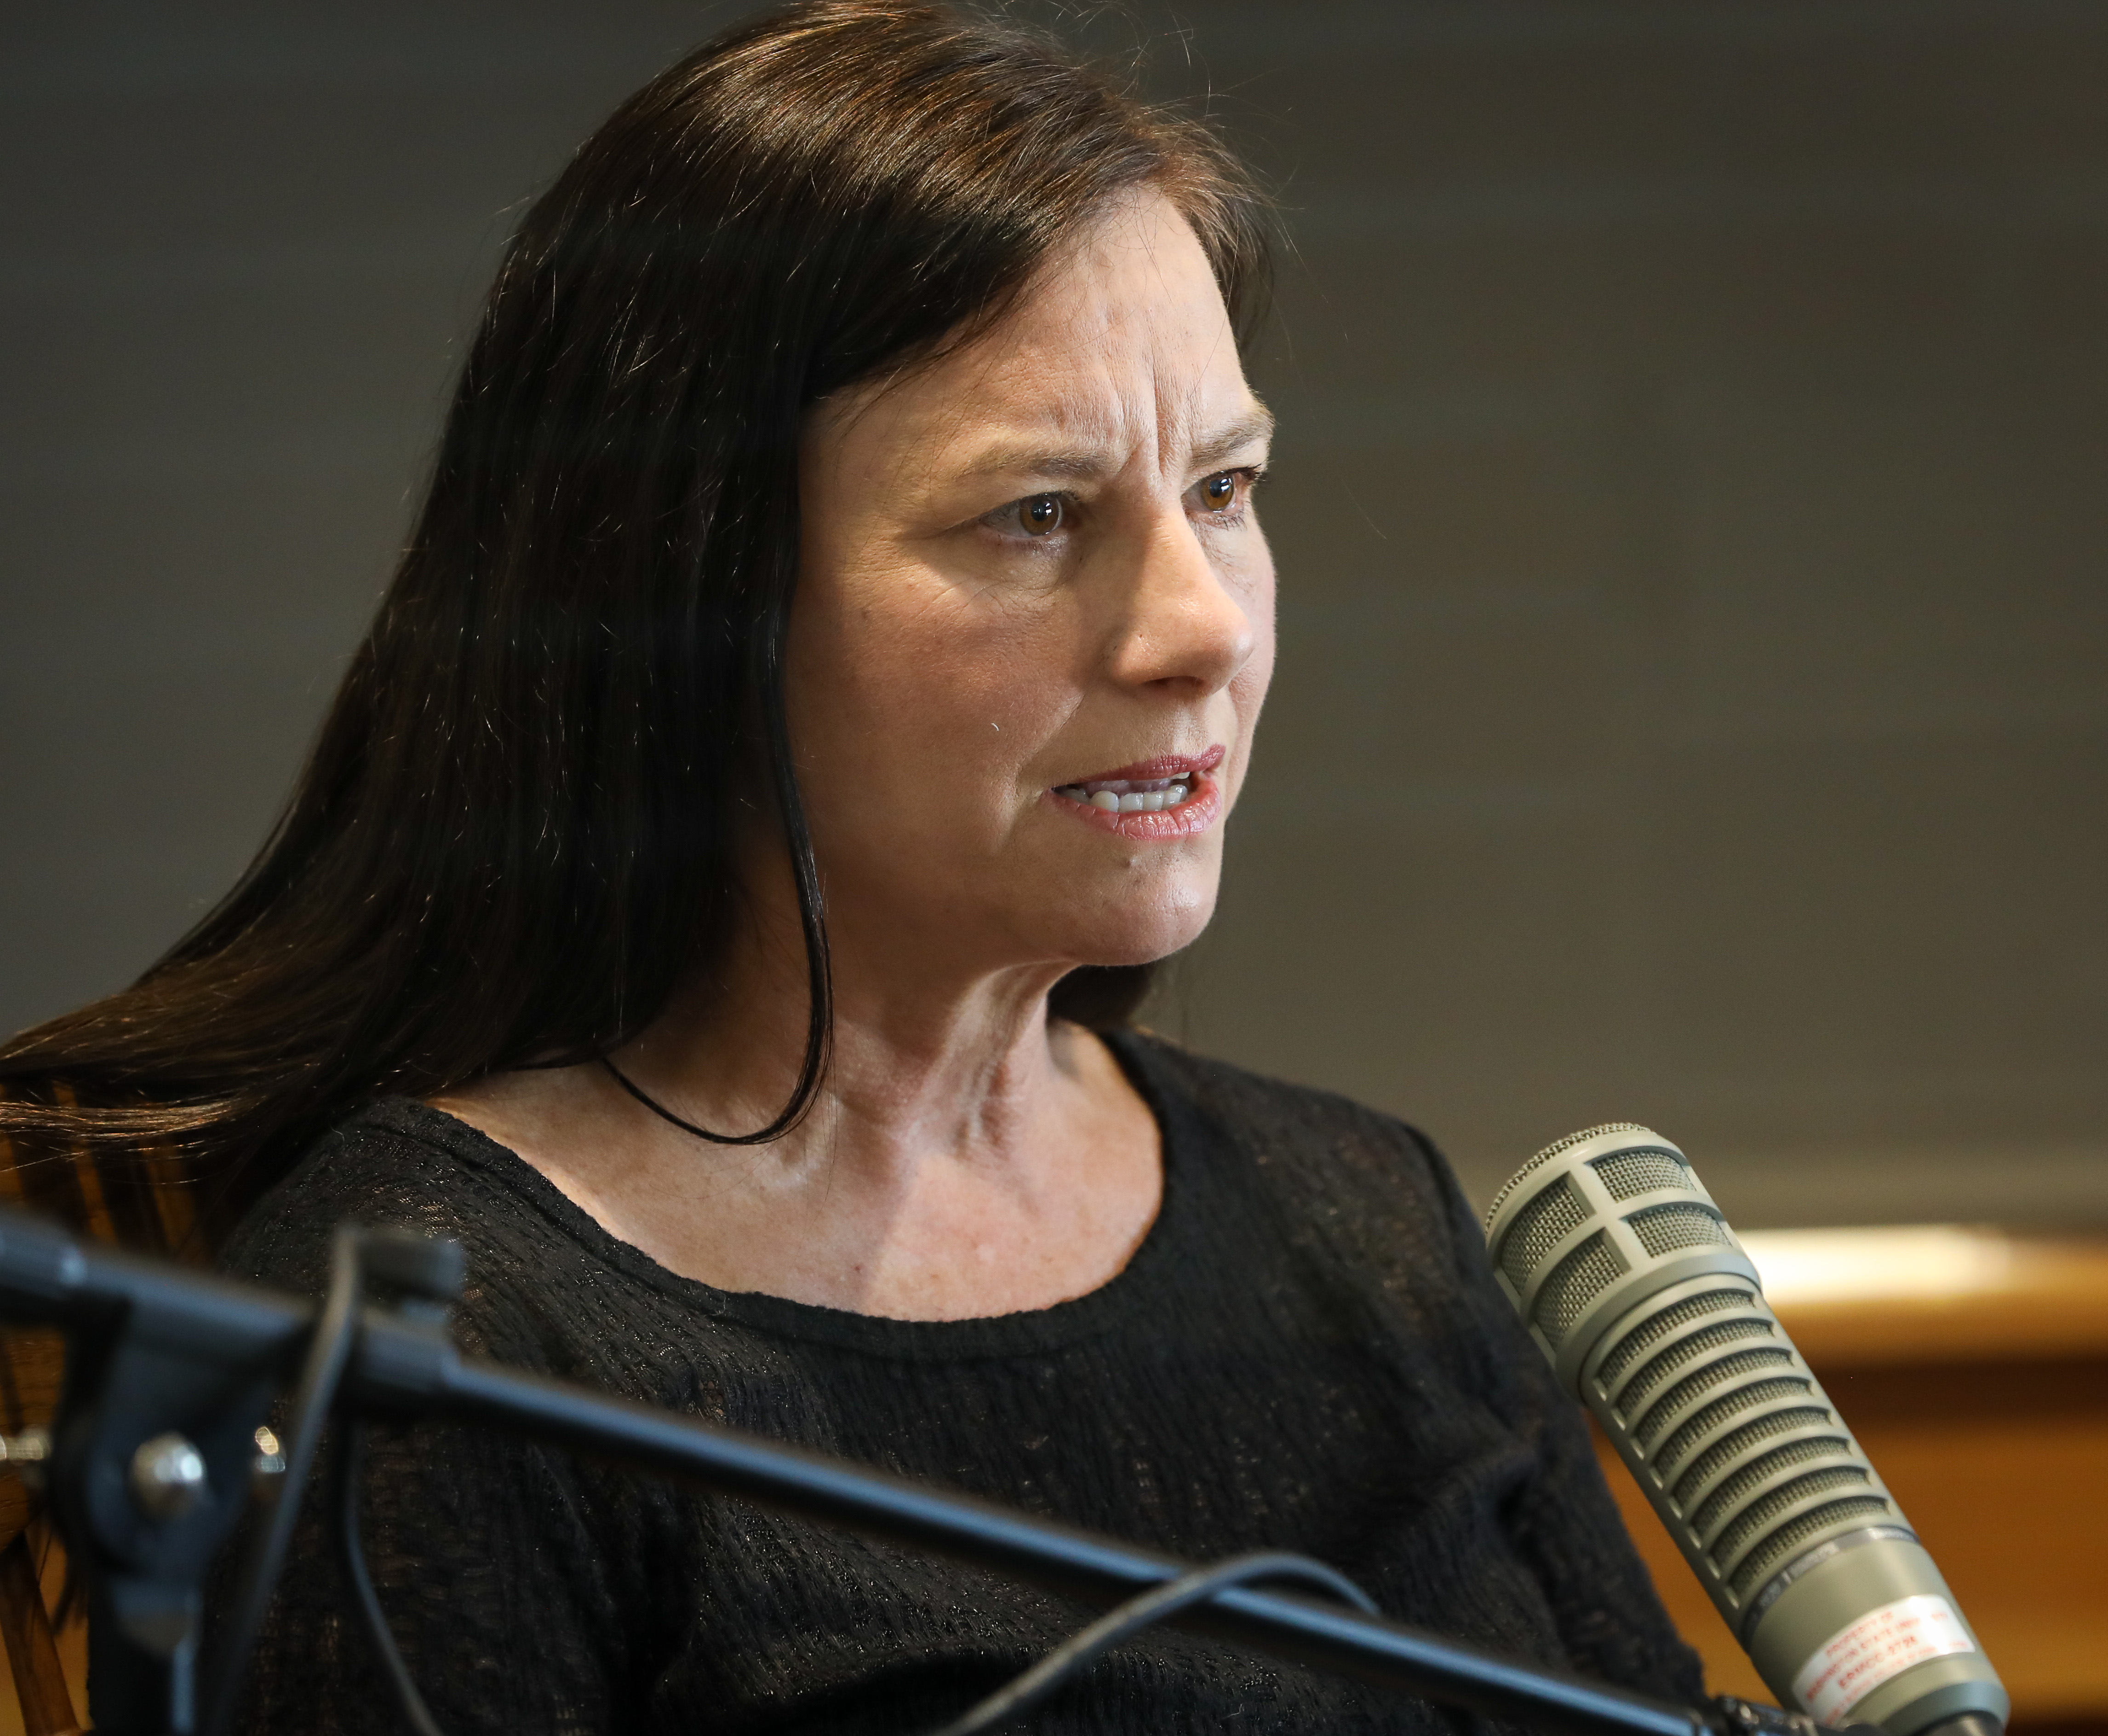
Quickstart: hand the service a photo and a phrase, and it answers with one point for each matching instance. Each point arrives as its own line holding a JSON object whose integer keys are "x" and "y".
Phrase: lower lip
{"x": 1196, "y": 813}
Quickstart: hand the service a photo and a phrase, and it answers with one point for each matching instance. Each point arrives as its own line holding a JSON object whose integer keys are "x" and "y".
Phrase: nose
{"x": 1183, "y": 623}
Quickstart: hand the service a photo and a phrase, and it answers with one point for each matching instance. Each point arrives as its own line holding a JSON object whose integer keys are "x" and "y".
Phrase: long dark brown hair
{"x": 513, "y": 837}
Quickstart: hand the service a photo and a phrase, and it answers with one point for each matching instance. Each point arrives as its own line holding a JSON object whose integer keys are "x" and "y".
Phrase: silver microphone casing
{"x": 1649, "y": 1312}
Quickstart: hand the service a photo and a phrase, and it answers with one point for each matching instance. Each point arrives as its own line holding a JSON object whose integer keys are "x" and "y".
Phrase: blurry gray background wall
{"x": 1691, "y": 512}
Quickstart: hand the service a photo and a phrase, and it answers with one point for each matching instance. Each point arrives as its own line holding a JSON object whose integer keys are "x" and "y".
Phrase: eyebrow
{"x": 1214, "y": 447}
{"x": 1084, "y": 464}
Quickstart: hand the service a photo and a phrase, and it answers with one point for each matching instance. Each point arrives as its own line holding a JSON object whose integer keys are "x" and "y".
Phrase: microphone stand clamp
{"x": 150, "y": 1465}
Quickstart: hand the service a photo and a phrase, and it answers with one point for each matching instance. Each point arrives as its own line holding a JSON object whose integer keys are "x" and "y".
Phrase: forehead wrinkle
{"x": 1065, "y": 434}
{"x": 1187, "y": 431}
{"x": 937, "y": 409}
{"x": 1017, "y": 403}
{"x": 1029, "y": 454}
{"x": 1187, "y": 428}
{"x": 1073, "y": 464}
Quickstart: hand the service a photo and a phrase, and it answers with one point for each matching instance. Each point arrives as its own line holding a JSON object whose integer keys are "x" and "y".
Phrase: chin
{"x": 1141, "y": 931}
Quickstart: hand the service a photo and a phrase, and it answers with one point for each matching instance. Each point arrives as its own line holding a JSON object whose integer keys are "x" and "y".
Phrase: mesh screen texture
{"x": 1775, "y": 1551}
{"x": 1575, "y": 1282}
{"x": 1662, "y": 1229}
{"x": 1698, "y": 1344}
{"x": 1717, "y": 1373}
{"x": 1655, "y": 1328}
{"x": 1731, "y": 1446}
{"x": 1551, "y": 1151}
{"x": 1760, "y": 1470}
{"x": 1764, "y": 1513}
{"x": 1628, "y": 1173}
{"x": 1538, "y": 1228}
{"x": 1701, "y": 1423}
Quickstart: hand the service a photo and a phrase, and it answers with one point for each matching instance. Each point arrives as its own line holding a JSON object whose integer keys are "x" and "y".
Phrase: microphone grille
{"x": 1547, "y": 1154}
{"x": 1664, "y": 1230}
{"x": 1650, "y": 1312}
{"x": 1587, "y": 1212}
{"x": 1628, "y": 1174}
{"x": 1540, "y": 1227}
{"x": 1575, "y": 1284}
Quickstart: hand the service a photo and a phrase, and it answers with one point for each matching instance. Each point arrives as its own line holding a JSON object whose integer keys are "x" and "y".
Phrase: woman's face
{"x": 1034, "y": 622}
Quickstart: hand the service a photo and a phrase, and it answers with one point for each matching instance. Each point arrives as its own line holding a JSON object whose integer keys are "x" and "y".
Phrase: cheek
{"x": 1249, "y": 685}
{"x": 1251, "y": 682}
{"x": 1250, "y": 579}
{"x": 897, "y": 681}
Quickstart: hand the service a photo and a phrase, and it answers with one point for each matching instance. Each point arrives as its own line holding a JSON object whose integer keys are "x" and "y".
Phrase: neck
{"x": 932, "y": 1061}
{"x": 964, "y": 1156}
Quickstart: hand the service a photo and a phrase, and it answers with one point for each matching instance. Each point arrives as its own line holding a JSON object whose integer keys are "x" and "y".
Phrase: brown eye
{"x": 1040, "y": 515}
{"x": 1219, "y": 492}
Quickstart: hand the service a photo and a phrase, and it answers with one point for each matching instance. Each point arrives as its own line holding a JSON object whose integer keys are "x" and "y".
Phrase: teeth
{"x": 1118, "y": 796}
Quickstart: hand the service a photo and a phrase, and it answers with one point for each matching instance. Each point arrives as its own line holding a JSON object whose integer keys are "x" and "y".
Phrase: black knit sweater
{"x": 1308, "y": 1352}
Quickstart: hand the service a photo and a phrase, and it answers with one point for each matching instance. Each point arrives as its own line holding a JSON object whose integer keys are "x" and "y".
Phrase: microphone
{"x": 1634, "y": 1288}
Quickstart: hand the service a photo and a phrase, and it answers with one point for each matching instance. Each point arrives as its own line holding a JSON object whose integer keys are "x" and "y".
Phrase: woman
{"x": 824, "y": 664}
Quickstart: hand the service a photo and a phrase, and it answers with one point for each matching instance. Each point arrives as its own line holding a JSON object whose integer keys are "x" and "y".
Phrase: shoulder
{"x": 1291, "y": 1116}
{"x": 389, "y": 1162}
{"x": 1373, "y": 1212}
{"x": 1371, "y": 1186}
{"x": 400, "y": 1163}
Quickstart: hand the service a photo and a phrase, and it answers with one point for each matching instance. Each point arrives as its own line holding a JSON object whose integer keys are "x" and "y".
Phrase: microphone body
{"x": 1633, "y": 1286}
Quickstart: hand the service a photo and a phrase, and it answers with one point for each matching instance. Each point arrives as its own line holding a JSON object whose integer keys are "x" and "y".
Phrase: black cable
{"x": 1021, "y": 1693}
{"x": 351, "y": 1551}
{"x": 328, "y": 1350}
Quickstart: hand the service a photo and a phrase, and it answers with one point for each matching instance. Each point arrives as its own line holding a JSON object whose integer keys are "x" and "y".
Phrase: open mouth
{"x": 1153, "y": 786}
{"x": 1121, "y": 795}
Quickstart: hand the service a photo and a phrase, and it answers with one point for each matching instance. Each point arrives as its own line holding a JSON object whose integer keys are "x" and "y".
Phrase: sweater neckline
{"x": 1129, "y": 1293}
